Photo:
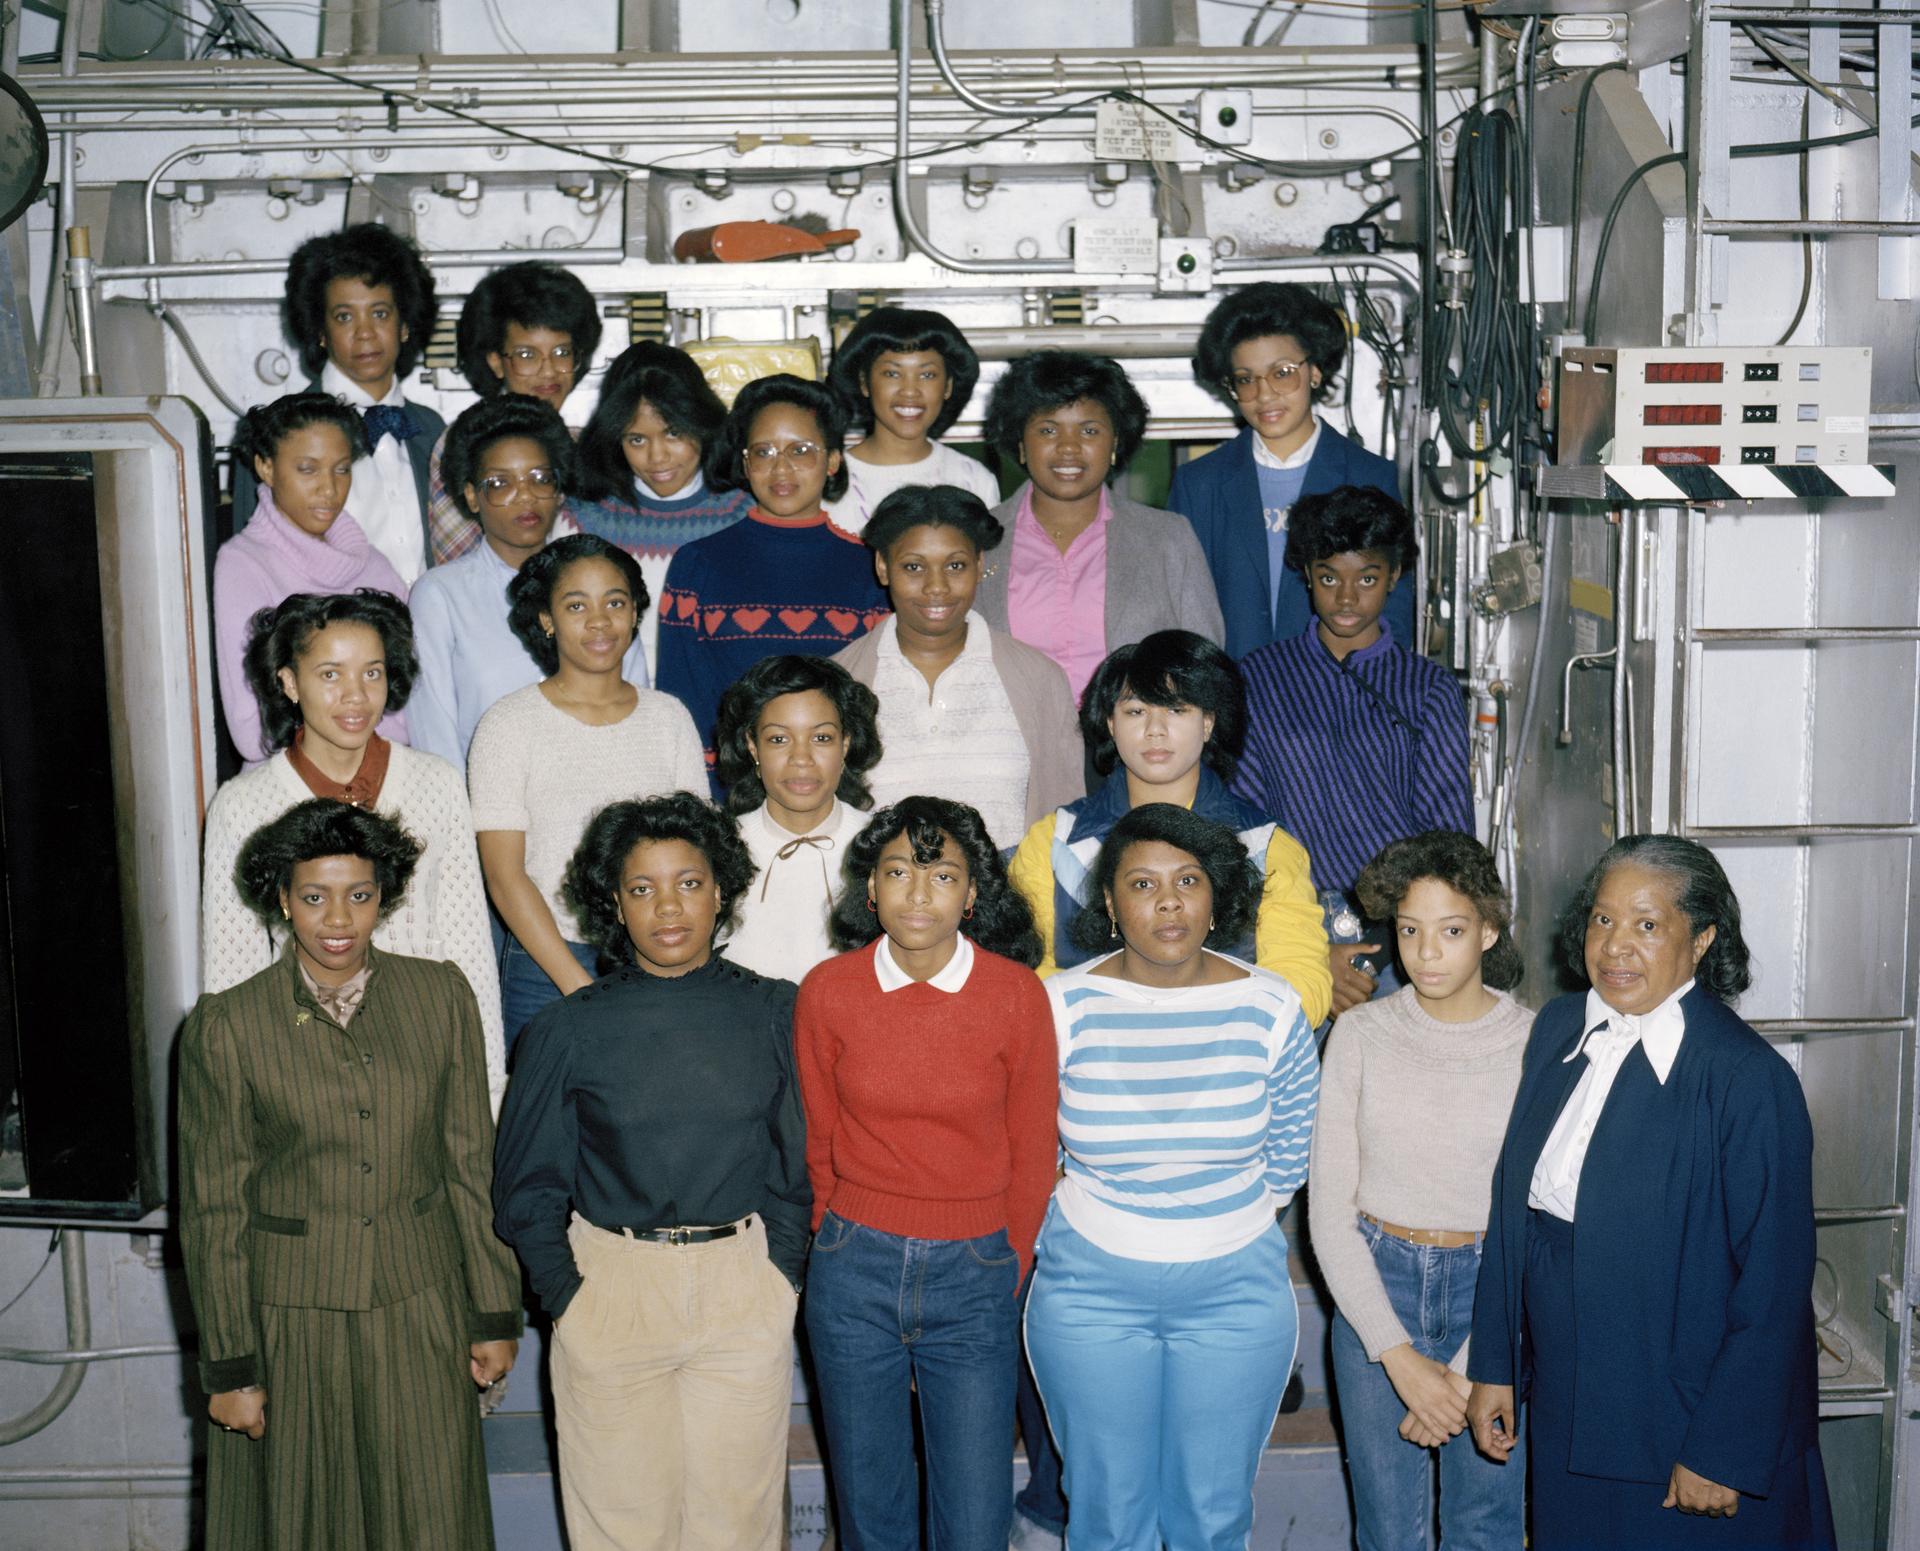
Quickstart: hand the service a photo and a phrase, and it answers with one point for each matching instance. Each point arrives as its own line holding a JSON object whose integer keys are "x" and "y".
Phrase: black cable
{"x": 1606, "y": 231}
{"x": 1579, "y": 182}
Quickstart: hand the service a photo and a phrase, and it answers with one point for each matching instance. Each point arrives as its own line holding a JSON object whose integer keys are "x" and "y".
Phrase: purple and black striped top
{"x": 1348, "y": 756}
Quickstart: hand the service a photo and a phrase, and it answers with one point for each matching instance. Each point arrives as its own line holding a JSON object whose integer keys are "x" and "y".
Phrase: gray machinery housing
{"x": 1718, "y": 646}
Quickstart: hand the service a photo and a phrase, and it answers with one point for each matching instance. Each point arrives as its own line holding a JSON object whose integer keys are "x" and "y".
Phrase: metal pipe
{"x": 937, "y": 43}
{"x": 96, "y": 1354}
{"x": 53, "y": 319}
{"x": 1625, "y": 803}
{"x": 1804, "y": 832}
{"x": 910, "y": 226}
{"x": 446, "y": 259}
{"x": 1812, "y": 16}
{"x": 1811, "y": 634}
{"x": 73, "y": 1281}
{"x": 86, "y": 299}
{"x": 51, "y": 1475}
{"x": 1498, "y": 692}
{"x": 1581, "y": 660}
{"x": 1716, "y": 227}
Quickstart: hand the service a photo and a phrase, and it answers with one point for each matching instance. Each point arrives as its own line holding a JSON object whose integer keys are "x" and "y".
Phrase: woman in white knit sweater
{"x": 548, "y": 757}
{"x": 324, "y": 669}
{"x": 1414, "y": 1095}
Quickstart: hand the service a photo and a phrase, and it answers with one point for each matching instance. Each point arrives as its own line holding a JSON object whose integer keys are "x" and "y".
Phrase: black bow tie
{"x": 389, "y": 420}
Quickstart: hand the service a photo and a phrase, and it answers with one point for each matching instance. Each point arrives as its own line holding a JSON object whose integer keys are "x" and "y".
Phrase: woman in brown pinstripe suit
{"x": 335, "y": 1164}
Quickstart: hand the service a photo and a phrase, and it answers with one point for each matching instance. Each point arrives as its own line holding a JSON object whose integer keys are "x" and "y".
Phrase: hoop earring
{"x": 871, "y": 906}
{"x": 967, "y": 914}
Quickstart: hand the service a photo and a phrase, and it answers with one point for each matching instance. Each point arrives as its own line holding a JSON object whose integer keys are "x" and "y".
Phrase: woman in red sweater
{"x": 929, "y": 1076}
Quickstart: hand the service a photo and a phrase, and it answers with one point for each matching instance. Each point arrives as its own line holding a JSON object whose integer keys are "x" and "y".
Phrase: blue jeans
{"x": 887, "y": 1316}
{"x": 525, "y": 987}
{"x": 1161, "y": 1381}
{"x": 1480, "y": 1502}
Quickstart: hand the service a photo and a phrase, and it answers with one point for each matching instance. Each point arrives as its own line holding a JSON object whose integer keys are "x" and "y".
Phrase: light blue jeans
{"x": 1480, "y": 1502}
{"x": 1161, "y": 1383}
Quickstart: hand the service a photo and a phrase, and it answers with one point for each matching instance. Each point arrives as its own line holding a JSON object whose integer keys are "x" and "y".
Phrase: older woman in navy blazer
{"x": 1271, "y": 353}
{"x": 1652, "y": 1236}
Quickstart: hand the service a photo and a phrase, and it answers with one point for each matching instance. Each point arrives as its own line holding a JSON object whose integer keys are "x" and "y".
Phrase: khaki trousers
{"x": 672, "y": 1381}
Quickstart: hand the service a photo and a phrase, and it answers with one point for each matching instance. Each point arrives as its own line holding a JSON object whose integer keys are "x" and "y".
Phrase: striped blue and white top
{"x": 1185, "y": 1113}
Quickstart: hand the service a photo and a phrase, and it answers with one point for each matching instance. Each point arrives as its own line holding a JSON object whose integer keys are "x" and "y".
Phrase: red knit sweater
{"x": 930, "y": 1114}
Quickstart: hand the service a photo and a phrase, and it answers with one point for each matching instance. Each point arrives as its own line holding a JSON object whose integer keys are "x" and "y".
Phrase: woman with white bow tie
{"x": 1652, "y": 1234}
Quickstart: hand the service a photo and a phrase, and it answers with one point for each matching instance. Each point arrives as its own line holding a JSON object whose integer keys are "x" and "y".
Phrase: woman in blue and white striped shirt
{"x": 1161, "y": 1325}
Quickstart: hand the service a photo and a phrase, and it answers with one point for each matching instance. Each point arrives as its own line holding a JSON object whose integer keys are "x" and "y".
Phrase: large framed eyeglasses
{"x": 524, "y": 359}
{"x": 802, "y": 455}
{"x": 1283, "y": 377}
{"x": 500, "y": 489}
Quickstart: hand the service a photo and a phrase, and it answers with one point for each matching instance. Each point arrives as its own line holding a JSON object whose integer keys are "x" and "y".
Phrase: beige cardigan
{"x": 1042, "y": 706}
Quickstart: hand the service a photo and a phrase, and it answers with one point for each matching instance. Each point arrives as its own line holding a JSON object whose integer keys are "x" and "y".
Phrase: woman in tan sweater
{"x": 1414, "y": 1095}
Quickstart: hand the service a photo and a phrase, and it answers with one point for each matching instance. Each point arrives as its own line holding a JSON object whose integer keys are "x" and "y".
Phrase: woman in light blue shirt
{"x": 509, "y": 463}
{"x": 1161, "y": 1327}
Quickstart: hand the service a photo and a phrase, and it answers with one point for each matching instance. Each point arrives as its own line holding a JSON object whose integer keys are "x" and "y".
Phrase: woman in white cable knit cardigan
{"x": 324, "y": 669}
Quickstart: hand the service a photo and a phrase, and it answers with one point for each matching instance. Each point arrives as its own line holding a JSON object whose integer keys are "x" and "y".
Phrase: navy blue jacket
{"x": 1220, "y": 495}
{"x": 1692, "y": 1256}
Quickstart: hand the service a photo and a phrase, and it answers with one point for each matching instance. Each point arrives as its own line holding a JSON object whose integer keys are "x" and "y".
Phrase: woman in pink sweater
{"x": 928, "y": 1072}
{"x": 299, "y": 539}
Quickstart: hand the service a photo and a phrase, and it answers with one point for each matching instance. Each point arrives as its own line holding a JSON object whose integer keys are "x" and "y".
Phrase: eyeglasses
{"x": 802, "y": 455}
{"x": 499, "y": 489}
{"x": 524, "y": 360}
{"x": 1283, "y": 376}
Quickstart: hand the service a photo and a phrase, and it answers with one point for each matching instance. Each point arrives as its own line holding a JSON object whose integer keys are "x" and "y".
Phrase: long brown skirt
{"x": 372, "y": 1441}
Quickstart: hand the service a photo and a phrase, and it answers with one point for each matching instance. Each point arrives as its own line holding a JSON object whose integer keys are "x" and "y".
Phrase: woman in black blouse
{"x": 658, "y": 1107}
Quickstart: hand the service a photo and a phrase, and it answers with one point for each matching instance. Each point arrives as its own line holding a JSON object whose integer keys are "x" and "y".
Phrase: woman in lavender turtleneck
{"x": 300, "y": 539}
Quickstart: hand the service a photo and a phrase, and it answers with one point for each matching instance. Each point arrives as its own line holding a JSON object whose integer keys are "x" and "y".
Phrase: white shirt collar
{"x": 952, "y": 977}
{"x": 691, "y": 490}
{"x": 1658, "y": 1032}
{"x": 1303, "y": 454}
{"x": 979, "y": 642}
{"x": 341, "y": 386}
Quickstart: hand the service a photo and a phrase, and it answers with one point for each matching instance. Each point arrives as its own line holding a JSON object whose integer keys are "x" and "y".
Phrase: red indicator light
{"x": 1679, "y": 455}
{"x": 1686, "y": 371}
{"x": 1680, "y": 414}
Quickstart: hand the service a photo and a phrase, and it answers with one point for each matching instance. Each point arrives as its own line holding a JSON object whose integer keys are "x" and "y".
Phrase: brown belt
{"x": 1435, "y": 1238}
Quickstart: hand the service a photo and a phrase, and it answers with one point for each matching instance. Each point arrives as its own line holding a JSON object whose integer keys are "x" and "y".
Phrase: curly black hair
{"x": 530, "y": 593}
{"x": 373, "y": 255}
{"x": 491, "y": 420}
{"x": 1463, "y": 865}
{"x": 535, "y": 295}
{"x": 766, "y": 681}
{"x": 1047, "y": 380}
{"x": 1168, "y": 668}
{"x": 658, "y": 375}
{"x": 1701, "y": 892}
{"x": 1345, "y": 521}
{"x": 1261, "y": 311}
{"x": 902, "y": 331}
{"x": 591, "y": 887}
{"x": 323, "y": 826}
{"x": 932, "y": 506}
{"x": 727, "y": 452}
{"x": 1236, "y": 881}
{"x": 263, "y": 427}
{"x": 1001, "y": 922}
{"x": 278, "y": 637}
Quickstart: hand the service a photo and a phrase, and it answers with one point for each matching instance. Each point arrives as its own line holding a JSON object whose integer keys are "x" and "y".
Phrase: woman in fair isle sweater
{"x": 782, "y": 580}
{"x": 927, "y": 1073}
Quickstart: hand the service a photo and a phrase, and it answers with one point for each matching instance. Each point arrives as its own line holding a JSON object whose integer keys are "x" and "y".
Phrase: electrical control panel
{"x": 1765, "y": 406}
